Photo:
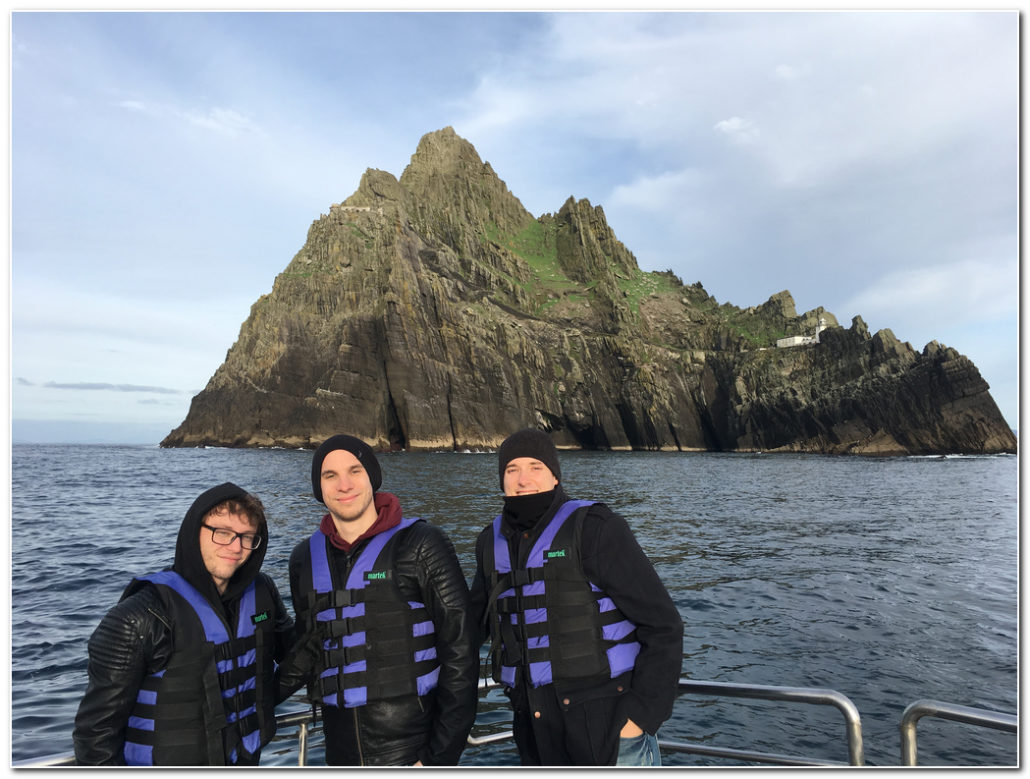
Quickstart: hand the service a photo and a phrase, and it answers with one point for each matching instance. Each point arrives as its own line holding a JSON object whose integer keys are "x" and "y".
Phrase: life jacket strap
{"x": 390, "y": 619}
{"x": 150, "y": 738}
{"x": 246, "y": 724}
{"x": 328, "y": 686}
{"x": 338, "y": 599}
{"x": 516, "y": 604}
{"x": 520, "y": 577}
{"x": 315, "y": 603}
{"x": 234, "y": 648}
{"x": 216, "y": 753}
{"x": 340, "y": 656}
{"x": 397, "y": 682}
{"x": 182, "y": 712}
{"x": 236, "y": 677}
{"x": 402, "y": 647}
{"x": 343, "y": 626}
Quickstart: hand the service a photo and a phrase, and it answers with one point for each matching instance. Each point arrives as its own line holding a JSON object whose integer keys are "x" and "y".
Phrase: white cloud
{"x": 965, "y": 291}
{"x": 739, "y": 130}
{"x": 786, "y": 72}
{"x": 496, "y": 104}
{"x": 668, "y": 191}
{"x": 224, "y": 121}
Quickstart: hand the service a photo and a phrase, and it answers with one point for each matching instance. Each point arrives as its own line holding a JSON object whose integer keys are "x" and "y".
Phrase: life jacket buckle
{"x": 341, "y": 626}
{"x": 341, "y": 598}
{"x": 520, "y": 577}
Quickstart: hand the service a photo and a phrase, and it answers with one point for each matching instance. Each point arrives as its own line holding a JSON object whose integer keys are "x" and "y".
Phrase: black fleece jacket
{"x": 563, "y": 724}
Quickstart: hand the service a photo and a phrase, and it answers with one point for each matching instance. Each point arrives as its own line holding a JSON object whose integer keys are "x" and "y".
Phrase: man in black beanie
{"x": 388, "y": 647}
{"x": 585, "y": 639}
{"x": 181, "y": 671}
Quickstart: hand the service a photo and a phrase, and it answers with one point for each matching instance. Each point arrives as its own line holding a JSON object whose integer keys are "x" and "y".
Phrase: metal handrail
{"x": 64, "y": 758}
{"x": 301, "y": 719}
{"x": 304, "y": 719}
{"x": 852, "y": 720}
{"x": 813, "y": 695}
{"x": 949, "y": 711}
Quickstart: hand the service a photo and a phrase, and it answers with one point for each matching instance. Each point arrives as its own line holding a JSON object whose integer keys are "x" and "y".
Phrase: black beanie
{"x": 356, "y": 447}
{"x": 528, "y": 443}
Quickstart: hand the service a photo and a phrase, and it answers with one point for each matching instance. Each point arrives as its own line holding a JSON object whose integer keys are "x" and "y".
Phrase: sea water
{"x": 889, "y": 580}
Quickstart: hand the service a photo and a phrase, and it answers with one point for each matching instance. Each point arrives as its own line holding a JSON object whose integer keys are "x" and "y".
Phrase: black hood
{"x": 190, "y": 565}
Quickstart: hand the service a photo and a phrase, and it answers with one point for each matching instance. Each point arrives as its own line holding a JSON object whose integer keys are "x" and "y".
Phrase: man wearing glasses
{"x": 181, "y": 671}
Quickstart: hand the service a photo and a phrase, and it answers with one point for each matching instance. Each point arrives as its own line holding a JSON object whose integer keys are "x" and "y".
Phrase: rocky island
{"x": 434, "y": 312}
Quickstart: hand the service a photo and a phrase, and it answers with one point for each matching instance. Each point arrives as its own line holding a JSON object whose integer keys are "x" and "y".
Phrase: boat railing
{"x": 852, "y": 721}
{"x": 810, "y": 695}
{"x": 948, "y": 711}
{"x": 305, "y": 722}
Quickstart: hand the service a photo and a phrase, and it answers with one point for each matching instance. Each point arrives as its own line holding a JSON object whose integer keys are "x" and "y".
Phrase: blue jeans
{"x": 642, "y": 750}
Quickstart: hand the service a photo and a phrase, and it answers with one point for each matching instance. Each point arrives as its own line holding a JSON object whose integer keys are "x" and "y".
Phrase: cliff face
{"x": 435, "y": 312}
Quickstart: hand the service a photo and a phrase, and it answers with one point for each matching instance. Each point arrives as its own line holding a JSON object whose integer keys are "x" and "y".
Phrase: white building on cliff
{"x": 801, "y": 340}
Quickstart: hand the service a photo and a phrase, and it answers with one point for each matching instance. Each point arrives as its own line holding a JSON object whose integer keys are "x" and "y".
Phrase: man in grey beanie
{"x": 585, "y": 639}
{"x": 387, "y": 649}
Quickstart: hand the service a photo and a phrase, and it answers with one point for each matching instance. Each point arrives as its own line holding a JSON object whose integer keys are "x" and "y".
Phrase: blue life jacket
{"x": 215, "y": 697}
{"x": 380, "y": 645}
{"x": 547, "y": 618}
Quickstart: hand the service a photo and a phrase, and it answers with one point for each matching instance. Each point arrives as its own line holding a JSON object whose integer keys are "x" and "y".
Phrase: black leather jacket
{"x": 399, "y": 731}
{"x": 134, "y": 639}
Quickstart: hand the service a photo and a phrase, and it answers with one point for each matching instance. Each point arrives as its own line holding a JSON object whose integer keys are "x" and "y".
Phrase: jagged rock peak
{"x": 936, "y": 350}
{"x": 781, "y": 304}
{"x": 859, "y": 327}
{"x": 443, "y": 151}
{"x": 447, "y": 177}
{"x": 444, "y": 154}
{"x": 376, "y": 185}
{"x": 588, "y": 249}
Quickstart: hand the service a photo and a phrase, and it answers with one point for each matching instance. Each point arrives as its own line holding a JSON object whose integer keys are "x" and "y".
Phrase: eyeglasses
{"x": 224, "y": 537}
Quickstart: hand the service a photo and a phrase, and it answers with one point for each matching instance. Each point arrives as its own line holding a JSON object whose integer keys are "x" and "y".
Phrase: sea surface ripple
{"x": 889, "y": 580}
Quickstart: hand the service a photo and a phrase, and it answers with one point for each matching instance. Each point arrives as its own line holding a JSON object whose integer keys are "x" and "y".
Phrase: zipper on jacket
{"x": 160, "y": 618}
{"x": 357, "y": 737}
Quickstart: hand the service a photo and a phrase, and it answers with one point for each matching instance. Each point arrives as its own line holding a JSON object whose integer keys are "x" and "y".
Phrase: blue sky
{"x": 165, "y": 167}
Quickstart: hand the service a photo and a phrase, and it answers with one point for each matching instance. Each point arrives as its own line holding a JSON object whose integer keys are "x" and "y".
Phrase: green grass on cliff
{"x": 536, "y": 245}
{"x": 750, "y": 327}
{"x": 642, "y": 284}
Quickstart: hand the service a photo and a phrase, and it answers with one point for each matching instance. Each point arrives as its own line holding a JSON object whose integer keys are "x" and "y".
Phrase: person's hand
{"x": 418, "y": 764}
{"x": 298, "y": 667}
{"x": 630, "y": 730}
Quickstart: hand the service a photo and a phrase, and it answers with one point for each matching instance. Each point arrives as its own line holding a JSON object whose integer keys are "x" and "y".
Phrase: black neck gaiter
{"x": 522, "y": 512}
